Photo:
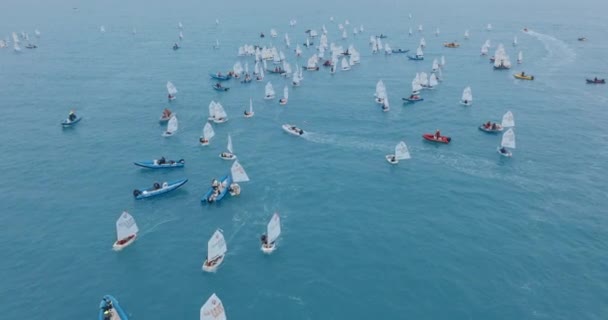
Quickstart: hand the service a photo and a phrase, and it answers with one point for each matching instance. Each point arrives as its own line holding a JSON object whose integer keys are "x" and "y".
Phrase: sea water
{"x": 456, "y": 232}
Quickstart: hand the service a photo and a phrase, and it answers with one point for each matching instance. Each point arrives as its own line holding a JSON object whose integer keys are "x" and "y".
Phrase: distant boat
{"x": 219, "y": 114}
{"x": 171, "y": 126}
{"x": 467, "y": 97}
{"x": 208, "y": 133}
{"x": 283, "y": 101}
{"x": 419, "y": 54}
{"x": 216, "y": 250}
{"x": 273, "y": 231}
{"x": 520, "y": 57}
{"x": 344, "y": 64}
{"x": 109, "y": 308}
{"x": 126, "y": 231}
{"x": 171, "y": 90}
{"x": 250, "y": 113}
{"x": 269, "y": 91}
{"x": 158, "y": 189}
{"x": 507, "y": 142}
{"x": 228, "y": 155}
{"x": 401, "y": 153}
{"x": 515, "y": 41}
{"x": 213, "y": 309}
{"x": 466, "y": 34}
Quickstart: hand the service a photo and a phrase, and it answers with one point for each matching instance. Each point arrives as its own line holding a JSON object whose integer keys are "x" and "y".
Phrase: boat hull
{"x": 214, "y": 267}
{"x": 268, "y": 249}
{"x": 150, "y": 192}
{"x": 220, "y": 78}
{"x": 287, "y": 128}
{"x": 66, "y": 123}
{"x": 115, "y": 308}
{"x": 230, "y": 157}
{"x": 489, "y": 130}
{"x": 519, "y": 76}
{"x": 221, "y": 89}
{"x": 599, "y": 81}
{"x": 400, "y": 51}
{"x": 389, "y": 159}
{"x": 118, "y": 247}
{"x": 415, "y": 58}
{"x": 412, "y": 100}
{"x": 152, "y": 165}
{"x": 220, "y": 120}
{"x": 506, "y": 155}
{"x": 225, "y": 180}
{"x": 431, "y": 137}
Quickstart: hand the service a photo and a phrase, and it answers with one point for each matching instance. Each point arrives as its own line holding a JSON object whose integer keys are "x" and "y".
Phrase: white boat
{"x": 419, "y": 53}
{"x": 501, "y": 58}
{"x": 466, "y": 34}
{"x": 208, "y": 133}
{"x": 250, "y": 113}
{"x": 211, "y": 111}
{"x": 345, "y": 65}
{"x": 171, "y": 127}
{"x": 489, "y": 27}
{"x": 102, "y": 29}
{"x": 520, "y": 57}
{"x": 16, "y": 47}
{"x": 293, "y": 130}
{"x": 416, "y": 87}
{"x": 312, "y": 63}
{"x": 467, "y": 97}
{"x": 180, "y": 25}
{"x": 437, "y": 32}
{"x": 287, "y": 42}
{"x": 213, "y": 309}
{"x": 508, "y": 120}
{"x": 387, "y": 49}
{"x": 298, "y": 50}
{"x": 273, "y": 33}
{"x": 171, "y": 90}
{"x": 295, "y": 81}
{"x": 126, "y": 231}
{"x": 216, "y": 250}
{"x": 410, "y": 32}
{"x": 273, "y": 231}
{"x": 442, "y": 63}
{"x": 269, "y": 91}
{"x": 507, "y": 142}
{"x": 419, "y": 28}
{"x": 380, "y": 91}
{"x": 283, "y": 101}
{"x": 435, "y": 65}
{"x": 229, "y": 155}
{"x": 181, "y": 35}
{"x": 422, "y": 43}
{"x": 433, "y": 81}
{"x": 219, "y": 114}
{"x": 238, "y": 174}
{"x": 401, "y": 153}
{"x": 515, "y": 41}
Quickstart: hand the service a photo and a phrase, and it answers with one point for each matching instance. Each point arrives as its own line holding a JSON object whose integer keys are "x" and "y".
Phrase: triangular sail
{"x": 125, "y": 226}
{"x": 172, "y": 124}
{"x": 269, "y": 89}
{"x": 238, "y": 173}
{"x": 219, "y": 111}
{"x": 433, "y": 80}
{"x": 212, "y": 109}
{"x": 467, "y": 94}
{"x": 507, "y": 120}
{"x": 435, "y": 65}
{"x": 216, "y": 246}
{"x": 508, "y": 139}
{"x": 273, "y": 229}
{"x": 208, "y": 132}
{"x": 401, "y": 151}
{"x": 171, "y": 88}
{"x": 229, "y": 146}
{"x": 345, "y": 64}
{"x": 419, "y": 52}
{"x": 213, "y": 309}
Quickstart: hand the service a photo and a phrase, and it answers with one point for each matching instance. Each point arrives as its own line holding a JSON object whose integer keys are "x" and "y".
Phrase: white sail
{"x": 285, "y": 93}
{"x": 401, "y": 151}
{"x": 125, "y": 226}
{"x": 256, "y": 68}
{"x": 419, "y": 52}
{"x": 520, "y": 57}
{"x": 216, "y": 246}
{"x": 416, "y": 87}
{"x": 269, "y": 90}
{"x": 515, "y": 40}
{"x": 238, "y": 173}
{"x": 424, "y": 79}
{"x": 484, "y": 49}
{"x": 181, "y": 35}
{"x": 208, "y": 132}
{"x": 287, "y": 42}
{"x": 312, "y": 62}
{"x": 15, "y": 37}
{"x": 172, "y": 125}
{"x": 508, "y": 120}
{"x": 508, "y": 139}
{"x": 37, "y": 33}
{"x": 296, "y": 78}
{"x": 171, "y": 88}
{"x": 380, "y": 88}
{"x": 273, "y": 33}
{"x": 466, "y": 34}
{"x": 442, "y": 64}
{"x": 467, "y": 95}
{"x": 344, "y": 34}
{"x": 273, "y": 229}
{"x": 419, "y": 28}
{"x": 345, "y": 65}
{"x": 422, "y": 42}
{"x": 433, "y": 80}
{"x": 211, "y": 110}
{"x": 229, "y": 146}
{"x": 213, "y": 309}
{"x": 219, "y": 111}
{"x": 410, "y": 31}
{"x": 437, "y": 32}
{"x": 435, "y": 65}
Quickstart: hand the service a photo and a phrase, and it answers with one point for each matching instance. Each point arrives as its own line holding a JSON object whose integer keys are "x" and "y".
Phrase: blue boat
{"x": 490, "y": 130}
{"x": 412, "y": 100}
{"x": 220, "y": 78}
{"x": 158, "y": 189}
{"x": 154, "y": 164}
{"x": 415, "y": 58}
{"x": 220, "y": 88}
{"x": 68, "y": 123}
{"x": 224, "y": 183}
{"x": 109, "y": 308}
{"x": 399, "y": 51}
{"x": 275, "y": 71}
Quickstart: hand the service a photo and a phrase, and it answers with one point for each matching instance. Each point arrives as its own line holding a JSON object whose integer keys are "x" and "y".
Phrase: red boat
{"x": 441, "y": 139}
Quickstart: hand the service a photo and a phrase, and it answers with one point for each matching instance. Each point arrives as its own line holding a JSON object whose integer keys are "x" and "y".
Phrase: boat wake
{"x": 559, "y": 53}
{"x": 147, "y": 231}
{"x": 348, "y": 142}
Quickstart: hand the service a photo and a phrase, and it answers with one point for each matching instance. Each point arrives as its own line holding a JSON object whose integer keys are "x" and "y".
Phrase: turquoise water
{"x": 456, "y": 232}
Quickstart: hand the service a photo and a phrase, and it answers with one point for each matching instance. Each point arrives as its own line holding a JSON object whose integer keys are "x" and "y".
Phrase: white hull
{"x": 269, "y": 97}
{"x": 231, "y": 157}
{"x": 389, "y": 159}
{"x": 287, "y": 128}
{"x": 268, "y": 249}
{"x": 220, "y": 121}
{"x": 214, "y": 267}
{"x": 506, "y": 155}
{"x": 204, "y": 144}
{"x": 282, "y": 102}
{"x": 118, "y": 247}
{"x": 249, "y": 115}
{"x": 466, "y": 104}
{"x": 168, "y": 134}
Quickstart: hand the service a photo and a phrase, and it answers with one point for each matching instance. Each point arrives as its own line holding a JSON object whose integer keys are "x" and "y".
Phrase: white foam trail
{"x": 347, "y": 142}
{"x": 559, "y": 53}
{"x": 142, "y": 234}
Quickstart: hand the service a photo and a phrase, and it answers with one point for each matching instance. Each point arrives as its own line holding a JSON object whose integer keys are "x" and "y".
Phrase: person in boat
{"x": 437, "y": 134}
{"x": 487, "y": 125}
{"x": 218, "y": 85}
{"x": 72, "y": 116}
{"x": 166, "y": 113}
{"x": 226, "y": 155}
{"x": 215, "y": 184}
{"x": 393, "y": 159}
{"x": 175, "y": 46}
{"x": 246, "y": 113}
{"x": 219, "y": 74}
{"x": 156, "y": 186}
{"x": 247, "y": 77}
{"x": 264, "y": 240}
{"x": 595, "y": 79}
{"x": 262, "y": 35}
{"x": 220, "y": 119}
{"x": 282, "y": 100}
{"x": 162, "y": 160}
{"x": 503, "y": 150}
{"x": 466, "y": 101}
{"x": 203, "y": 140}
{"x": 523, "y": 74}
{"x": 494, "y": 126}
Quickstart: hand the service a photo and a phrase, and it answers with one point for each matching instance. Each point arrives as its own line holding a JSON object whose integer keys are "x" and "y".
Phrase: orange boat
{"x": 451, "y": 44}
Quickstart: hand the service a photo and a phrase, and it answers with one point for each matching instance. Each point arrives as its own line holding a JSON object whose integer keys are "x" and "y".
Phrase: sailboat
{"x": 181, "y": 35}
{"x": 217, "y": 44}
{"x": 172, "y": 90}
{"x": 435, "y": 65}
{"x": 171, "y": 126}
{"x": 520, "y": 57}
{"x": 102, "y": 29}
{"x": 295, "y": 81}
{"x": 508, "y": 141}
{"x": 433, "y": 81}
{"x": 385, "y": 104}
{"x": 442, "y": 63}
{"x": 216, "y": 250}
{"x": 126, "y": 231}
{"x": 269, "y": 91}
{"x": 287, "y": 42}
{"x": 466, "y": 34}
{"x": 419, "y": 28}
{"x": 213, "y": 309}
{"x": 508, "y": 120}
{"x": 208, "y": 133}
{"x": 484, "y": 50}
{"x": 437, "y": 32}
{"x": 219, "y": 114}
{"x": 345, "y": 65}
{"x": 489, "y": 27}
{"x": 229, "y": 155}
{"x": 250, "y": 113}
{"x": 273, "y": 230}
{"x": 515, "y": 41}
{"x": 237, "y": 174}
{"x": 380, "y": 92}
{"x": 180, "y": 25}
{"x": 283, "y": 101}
{"x": 467, "y": 97}
{"x": 401, "y": 153}
{"x": 419, "y": 54}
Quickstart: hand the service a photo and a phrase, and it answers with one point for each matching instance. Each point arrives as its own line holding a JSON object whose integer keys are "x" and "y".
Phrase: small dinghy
{"x": 493, "y": 127}
{"x": 213, "y": 309}
{"x": 71, "y": 120}
{"x": 126, "y": 231}
{"x": 437, "y": 137}
{"x": 508, "y": 141}
{"x": 110, "y": 309}
{"x": 273, "y": 230}
{"x": 220, "y": 77}
{"x": 413, "y": 98}
{"x": 158, "y": 189}
{"x": 165, "y": 116}
{"x": 208, "y": 133}
{"x": 218, "y": 87}
{"x": 219, "y": 114}
{"x": 467, "y": 97}
{"x": 161, "y": 163}
{"x": 401, "y": 153}
{"x": 269, "y": 93}
{"x": 250, "y": 113}
{"x": 293, "y": 130}
{"x": 523, "y": 76}
{"x": 216, "y": 250}
{"x": 451, "y": 44}
{"x": 520, "y": 57}
{"x": 171, "y": 127}
{"x": 283, "y": 101}
{"x": 171, "y": 90}
{"x": 228, "y": 155}
{"x": 400, "y": 51}
{"x": 596, "y": 81}
{"x": 344, "y": 64}
{"x": 419, "y": 55}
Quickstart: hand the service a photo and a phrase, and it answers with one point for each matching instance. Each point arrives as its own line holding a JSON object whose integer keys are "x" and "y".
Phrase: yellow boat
{"x": 451, "y": 44}
{"x": 523, "y": 77}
